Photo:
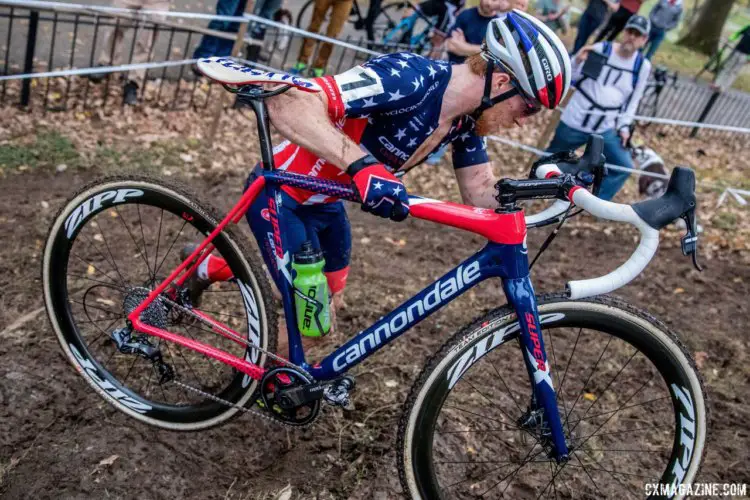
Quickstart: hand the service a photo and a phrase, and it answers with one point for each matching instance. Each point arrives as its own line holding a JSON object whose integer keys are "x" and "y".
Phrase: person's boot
{"x": 130, "y": 93}
{"x": 317, "y": 72}
{"x": 97, "y": 77}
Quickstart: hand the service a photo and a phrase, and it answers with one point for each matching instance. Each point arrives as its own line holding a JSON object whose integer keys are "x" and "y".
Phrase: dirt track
{"x": 60, "y": 440}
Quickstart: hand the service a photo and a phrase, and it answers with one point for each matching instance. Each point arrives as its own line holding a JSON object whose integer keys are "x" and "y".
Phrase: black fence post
{"x": 706, "y": 110}
{"x": 28, "y": 66}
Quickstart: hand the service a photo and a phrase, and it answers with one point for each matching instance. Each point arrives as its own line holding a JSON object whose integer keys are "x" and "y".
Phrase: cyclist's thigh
{"x": 330, "y": 224}
{"x": 295, "y": 232}
{"x": 431, "y": 8}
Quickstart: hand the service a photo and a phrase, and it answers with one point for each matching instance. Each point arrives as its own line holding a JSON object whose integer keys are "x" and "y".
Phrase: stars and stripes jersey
{"x": 389, "y": 105}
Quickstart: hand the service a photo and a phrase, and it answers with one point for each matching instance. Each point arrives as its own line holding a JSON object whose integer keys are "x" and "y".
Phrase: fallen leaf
{"x": 679, "y": 290}
{"x": 45, "y": 205}
{"x": 365, "y": 240}
{"x": 186, "y": 157}
{"x": 106, "y": 302}
{"x": 108, "y": 461}
{"x": 113, "y": 214}
{"x": 61, "y": 168}
{"x": 589, "y": 397}
{"x": 98, "y": 237}
{"x": 700, "y": 358}
{"x": 391, "y": 383}
{"x": 90, "y": 270}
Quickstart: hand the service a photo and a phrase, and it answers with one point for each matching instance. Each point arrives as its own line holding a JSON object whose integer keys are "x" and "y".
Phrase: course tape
{"x": 737, "y": 194}
{"x": 41, "y": 4}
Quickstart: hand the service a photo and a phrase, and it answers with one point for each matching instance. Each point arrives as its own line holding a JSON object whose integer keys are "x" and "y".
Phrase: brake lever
{"x": 690, "y": 240}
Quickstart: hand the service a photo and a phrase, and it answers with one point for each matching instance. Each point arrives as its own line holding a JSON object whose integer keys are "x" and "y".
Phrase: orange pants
{"x": 340, "y": 10}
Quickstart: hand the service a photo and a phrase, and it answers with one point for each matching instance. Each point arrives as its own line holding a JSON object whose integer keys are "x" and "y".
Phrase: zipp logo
{"x": 456, "y": 371}
{"x": 96, "y": 202}
{"x": 687, "y": 433}
{"x": 253, "y": 327}
{"x": 110, "y": 390}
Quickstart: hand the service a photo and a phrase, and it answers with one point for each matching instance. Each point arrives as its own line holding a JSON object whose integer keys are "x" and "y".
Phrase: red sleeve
{"x": 335, "y": 103}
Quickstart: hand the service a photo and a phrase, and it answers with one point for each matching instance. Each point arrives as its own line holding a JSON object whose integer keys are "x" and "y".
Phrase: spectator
{"x": 731, "y": 68}
{"x": 664, "y": 16}
{"x": 265, "y": 9}
{"x": 520, "y": 5}
{"x": 628, "y": 8}
{"x": 213, "y": 46}
{"x": 465, "y": 38}
{"x": 553, "y": 14}
{"x": 340, "y": 10}
{"x": 592, "y": 17}
{"x": 111, "y": 53}
{"x": 615, "y": 85}
{"x": 467, "y": 34}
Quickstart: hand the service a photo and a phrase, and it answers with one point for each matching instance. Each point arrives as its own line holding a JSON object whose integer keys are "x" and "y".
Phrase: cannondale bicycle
{"x": 575, "y": 395}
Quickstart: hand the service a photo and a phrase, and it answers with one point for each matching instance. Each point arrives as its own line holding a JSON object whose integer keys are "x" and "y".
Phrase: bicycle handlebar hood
{"x": 533, "y": 53}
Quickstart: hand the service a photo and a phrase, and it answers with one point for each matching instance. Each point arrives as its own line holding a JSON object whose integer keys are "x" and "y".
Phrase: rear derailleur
{"x": 140, "y": 345}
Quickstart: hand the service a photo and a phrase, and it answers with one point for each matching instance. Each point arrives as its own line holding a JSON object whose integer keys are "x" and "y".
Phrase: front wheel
{"x": 631, "y": 403}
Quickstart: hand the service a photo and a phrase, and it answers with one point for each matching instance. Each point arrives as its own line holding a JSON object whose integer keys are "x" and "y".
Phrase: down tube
{"x": 520, "y": 294}
{"x": 475, "y": 269}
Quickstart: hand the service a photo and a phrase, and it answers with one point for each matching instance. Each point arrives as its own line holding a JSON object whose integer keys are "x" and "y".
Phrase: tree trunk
{"x": 705, "y": 32}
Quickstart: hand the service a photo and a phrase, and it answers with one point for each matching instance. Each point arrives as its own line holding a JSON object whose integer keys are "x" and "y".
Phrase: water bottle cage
{"x": 317, "y": 305}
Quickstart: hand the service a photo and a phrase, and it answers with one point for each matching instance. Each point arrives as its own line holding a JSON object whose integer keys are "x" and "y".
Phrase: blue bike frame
{"x": 507, "y": 262}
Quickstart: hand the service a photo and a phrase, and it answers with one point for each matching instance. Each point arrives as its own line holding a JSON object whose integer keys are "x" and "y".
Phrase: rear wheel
{"x": 631, "y": 403}
{"x": 109, "y": 246}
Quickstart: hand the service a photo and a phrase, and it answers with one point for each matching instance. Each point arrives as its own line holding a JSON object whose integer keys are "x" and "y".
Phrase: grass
{"x": 50, "y": 149}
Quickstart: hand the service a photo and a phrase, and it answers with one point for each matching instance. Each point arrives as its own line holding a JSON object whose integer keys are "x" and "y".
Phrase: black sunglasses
{"x": 532, "y": 105}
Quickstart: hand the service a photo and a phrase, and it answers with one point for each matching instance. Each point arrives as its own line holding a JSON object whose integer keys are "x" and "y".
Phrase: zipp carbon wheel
{"x": 631, "y": 403}
{"x": 108, "y": 247}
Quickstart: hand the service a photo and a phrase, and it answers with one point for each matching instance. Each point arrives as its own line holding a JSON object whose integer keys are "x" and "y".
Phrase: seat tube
{"x": 520, "y": 294}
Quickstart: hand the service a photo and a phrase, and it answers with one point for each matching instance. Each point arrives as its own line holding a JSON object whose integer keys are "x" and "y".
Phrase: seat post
{"x": 264, "y": 131}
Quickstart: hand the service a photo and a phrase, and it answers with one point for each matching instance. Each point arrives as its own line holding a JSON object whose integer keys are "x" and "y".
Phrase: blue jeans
{"x": 265, "y": 9}
{"x": 212, "y": 46}
{"x": 655, "y": 37}
{"x": 567, "y": 139}
{"x": 586, "y": 26}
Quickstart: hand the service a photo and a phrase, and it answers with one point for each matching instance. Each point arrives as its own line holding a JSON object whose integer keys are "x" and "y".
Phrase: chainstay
{"x": 247, "y": 343}
{"x": 248, "y": 411}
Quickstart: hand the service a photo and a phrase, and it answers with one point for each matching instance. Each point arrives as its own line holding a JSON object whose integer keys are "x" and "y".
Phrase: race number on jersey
{"x": 358, "y": 83}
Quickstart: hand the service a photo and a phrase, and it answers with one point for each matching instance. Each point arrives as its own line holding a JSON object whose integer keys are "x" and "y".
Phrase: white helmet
{"x": 533, "y": 54}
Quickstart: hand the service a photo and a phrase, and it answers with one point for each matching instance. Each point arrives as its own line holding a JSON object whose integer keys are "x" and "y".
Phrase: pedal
{"x": 337, "y": 393}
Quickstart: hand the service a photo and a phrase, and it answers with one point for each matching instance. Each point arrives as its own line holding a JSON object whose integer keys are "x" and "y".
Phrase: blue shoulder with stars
{"x": 392, "y": 82}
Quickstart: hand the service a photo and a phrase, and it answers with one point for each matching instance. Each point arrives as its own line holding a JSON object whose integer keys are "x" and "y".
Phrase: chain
{"x": 233, "y": 335}
{"x": 248, "y": 411}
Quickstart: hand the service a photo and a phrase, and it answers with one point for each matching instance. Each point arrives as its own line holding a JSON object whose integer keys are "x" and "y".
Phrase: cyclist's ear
{"x": 499, "y": 79}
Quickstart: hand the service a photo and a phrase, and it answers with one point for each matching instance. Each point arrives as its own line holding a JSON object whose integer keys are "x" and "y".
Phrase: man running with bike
{"x": 389, "y": 114}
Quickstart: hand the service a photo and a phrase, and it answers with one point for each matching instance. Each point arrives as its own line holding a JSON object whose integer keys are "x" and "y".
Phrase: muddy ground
{"x": 59, "y": 440}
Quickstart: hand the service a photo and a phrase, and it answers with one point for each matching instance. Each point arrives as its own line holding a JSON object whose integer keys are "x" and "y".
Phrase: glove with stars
{"x": 379, "y": 190}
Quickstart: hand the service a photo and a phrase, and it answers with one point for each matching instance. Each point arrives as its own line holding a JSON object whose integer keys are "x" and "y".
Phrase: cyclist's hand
{"x": 381, "y": 192}
{"x": 625, "y": 136}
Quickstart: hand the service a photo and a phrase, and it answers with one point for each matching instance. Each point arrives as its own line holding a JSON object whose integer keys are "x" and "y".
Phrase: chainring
{"x": 286, "y": 378}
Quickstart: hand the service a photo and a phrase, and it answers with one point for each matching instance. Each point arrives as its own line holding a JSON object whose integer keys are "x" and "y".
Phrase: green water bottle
{"x": 310, "y": 292}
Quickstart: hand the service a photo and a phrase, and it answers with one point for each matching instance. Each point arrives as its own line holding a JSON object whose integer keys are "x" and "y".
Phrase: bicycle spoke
{"x": 622, "y": 408}
{"x": 158, "y": 240}
{"x": 114, "y": 281}
{"x": 112, "y": 262}
{"x": 507, "y": 389}
{"x": 171, "y": 245}
{"x": 127, "y": 375}
{"x": 513, "y": 473}
{"x": 629, "y": 431}
{"x": 586, "y": 471}
{"x": 137, "y": 246}
{"x": 479, "y": 415}
{"x": 570, "y": 360}
{"x": 608, "y": 385}
{"x": 583, "y": 389}
{"x": 492, "y": 403}
{"x": 111, "y": 285}
{"x": 143, "y": 237}
{"x": 559, "y": 395}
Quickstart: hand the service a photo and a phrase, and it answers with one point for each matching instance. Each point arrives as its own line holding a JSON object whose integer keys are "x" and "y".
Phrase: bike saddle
{"x": 229, "y": 72}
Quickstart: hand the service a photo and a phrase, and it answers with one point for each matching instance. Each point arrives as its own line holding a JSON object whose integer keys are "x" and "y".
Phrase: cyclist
{"x": 394, "y": 110}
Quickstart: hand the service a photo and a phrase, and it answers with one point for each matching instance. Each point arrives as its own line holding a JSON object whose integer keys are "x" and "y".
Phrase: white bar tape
{"x": 634, "y": 265}
{"x": 542, "y": 171}
{"x": 557, "y": 208}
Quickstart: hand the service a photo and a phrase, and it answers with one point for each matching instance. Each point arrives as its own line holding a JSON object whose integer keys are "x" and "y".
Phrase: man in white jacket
{"x": 605, "y": 103}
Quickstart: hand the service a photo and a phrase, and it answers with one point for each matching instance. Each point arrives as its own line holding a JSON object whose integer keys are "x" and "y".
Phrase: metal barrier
{"x": 46, "y": 36}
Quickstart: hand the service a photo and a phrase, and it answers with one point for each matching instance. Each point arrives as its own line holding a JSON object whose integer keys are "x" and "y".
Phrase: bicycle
{"x": 412, "y": 31}
{"x": 649, "y": 105}
{"x": 114, "y": 322}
